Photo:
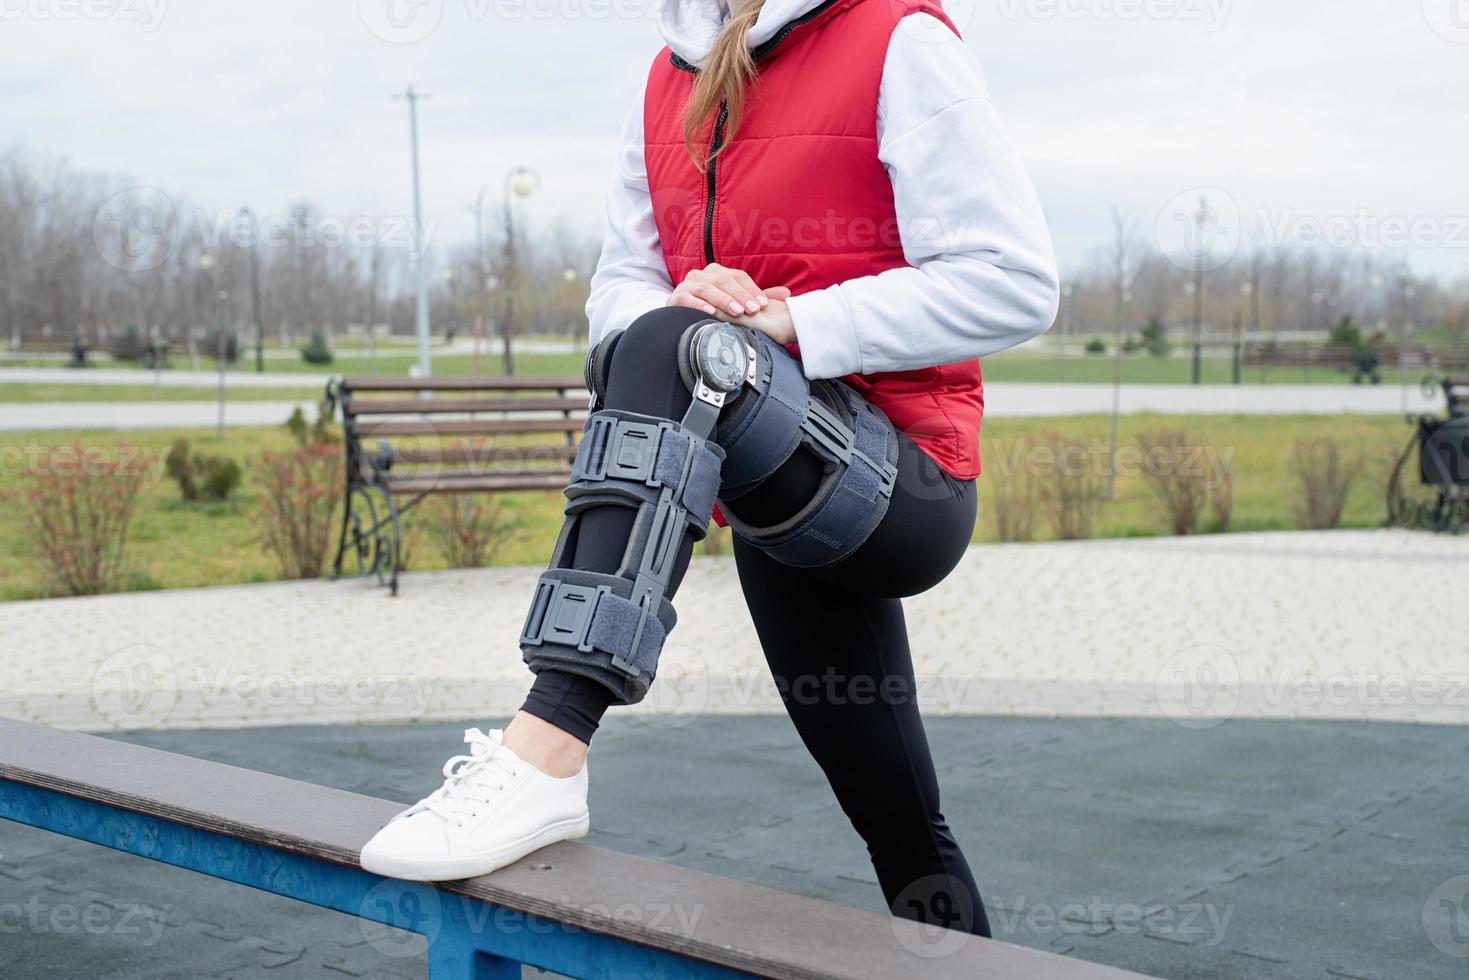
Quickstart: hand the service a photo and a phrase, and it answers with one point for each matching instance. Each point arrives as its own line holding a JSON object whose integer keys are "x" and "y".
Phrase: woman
{"x": 832, "y": 179}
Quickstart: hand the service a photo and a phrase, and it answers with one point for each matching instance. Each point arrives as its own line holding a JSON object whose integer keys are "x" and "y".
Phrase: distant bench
{"x": 407, "y": 439}
{"x": 572, "y": 909}
{"x": 77, "y": 350}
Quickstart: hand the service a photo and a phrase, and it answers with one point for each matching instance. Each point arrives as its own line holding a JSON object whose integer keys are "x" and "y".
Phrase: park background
{"x": 1204, "y": 474}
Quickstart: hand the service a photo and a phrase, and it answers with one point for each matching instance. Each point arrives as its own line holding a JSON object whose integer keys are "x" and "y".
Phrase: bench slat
{"x": 485, "y": 454}
{"x": 450, "y": 482}
{"x": 415, "y": 406}
{"x": 463, "y": 427}
{"x": 740, "y": 925}
{"x": 468, "y": 383}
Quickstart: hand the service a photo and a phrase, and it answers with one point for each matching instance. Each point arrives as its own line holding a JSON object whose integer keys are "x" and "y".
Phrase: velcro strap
{"x": 764, "y": 427}
{"x": 584, "y": 611}
{"x": 633, "y": 457}
{"x": 851, "y": 501}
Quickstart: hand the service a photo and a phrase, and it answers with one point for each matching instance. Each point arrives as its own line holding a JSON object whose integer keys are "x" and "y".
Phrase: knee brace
{"x": 611, "y": 627}
{"x": 775, "y": 412}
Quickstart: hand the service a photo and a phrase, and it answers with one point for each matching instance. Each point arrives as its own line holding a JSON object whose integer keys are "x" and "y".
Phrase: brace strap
{"x": 852, "y": 498}
{"x": 575, "y": 612}
{"x": 630, "y": 459}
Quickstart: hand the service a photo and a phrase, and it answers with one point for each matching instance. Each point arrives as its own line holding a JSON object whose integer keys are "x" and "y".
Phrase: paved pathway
{"x": 175, "y": 378}
{"x": 1349, "y": 625}
{"x": 1003, "y": 401}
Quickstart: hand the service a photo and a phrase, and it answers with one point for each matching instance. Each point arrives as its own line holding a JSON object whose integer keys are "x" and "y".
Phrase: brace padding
{"x": 633, "y": 457}
{"x": 585, "y": 623}
{"x": 860, "y": 446}
{"x": 762, "y": 429}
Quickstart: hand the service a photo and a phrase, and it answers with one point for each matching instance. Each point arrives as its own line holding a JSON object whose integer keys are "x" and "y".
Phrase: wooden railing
{"x": 572, "y": 909}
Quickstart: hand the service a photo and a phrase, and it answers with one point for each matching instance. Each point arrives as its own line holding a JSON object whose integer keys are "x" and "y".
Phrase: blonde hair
{"x": 727, "y": 72}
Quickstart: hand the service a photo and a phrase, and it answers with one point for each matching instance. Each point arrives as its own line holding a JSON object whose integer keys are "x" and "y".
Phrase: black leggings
{"x": 834, "y": 638}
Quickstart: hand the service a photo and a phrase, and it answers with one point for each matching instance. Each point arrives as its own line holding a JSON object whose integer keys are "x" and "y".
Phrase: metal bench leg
{"x": 342, "y": 538}
{"x": 453, "y": 958}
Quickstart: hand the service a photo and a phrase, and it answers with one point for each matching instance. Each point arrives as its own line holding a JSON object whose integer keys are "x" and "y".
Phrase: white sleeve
{"x": 981, "y": 272}
{"x": 631, "y": 276}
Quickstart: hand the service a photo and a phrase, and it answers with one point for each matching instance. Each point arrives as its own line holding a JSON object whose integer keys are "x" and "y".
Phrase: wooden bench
{"x": 572, "y": 909}
{"x": 77, "y": 350}
{"x": 407, "y": 439}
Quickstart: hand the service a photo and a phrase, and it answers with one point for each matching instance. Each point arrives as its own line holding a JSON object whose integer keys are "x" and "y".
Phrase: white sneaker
{"x": 492, "y": 810}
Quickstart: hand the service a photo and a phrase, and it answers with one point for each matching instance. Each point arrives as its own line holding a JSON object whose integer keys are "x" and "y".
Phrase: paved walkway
{"x": 1003, "y": 401}
{"x": 1363, "y": 625}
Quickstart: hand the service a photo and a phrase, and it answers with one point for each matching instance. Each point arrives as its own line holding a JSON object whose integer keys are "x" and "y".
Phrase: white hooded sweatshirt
{"x": 981, "y": 272}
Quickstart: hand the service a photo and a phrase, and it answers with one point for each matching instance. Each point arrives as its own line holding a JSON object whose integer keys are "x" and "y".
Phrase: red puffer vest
{"x": 798, "y": 197}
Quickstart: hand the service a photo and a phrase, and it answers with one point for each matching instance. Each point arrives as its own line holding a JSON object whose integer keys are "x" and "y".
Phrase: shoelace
{"x": 470, "y": 780}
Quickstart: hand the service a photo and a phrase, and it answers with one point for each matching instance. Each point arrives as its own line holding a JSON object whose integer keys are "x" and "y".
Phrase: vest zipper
{"x": 716, "y": 140}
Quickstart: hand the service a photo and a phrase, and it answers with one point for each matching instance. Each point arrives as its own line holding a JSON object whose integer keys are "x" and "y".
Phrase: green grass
{"x": 176, "y": 544}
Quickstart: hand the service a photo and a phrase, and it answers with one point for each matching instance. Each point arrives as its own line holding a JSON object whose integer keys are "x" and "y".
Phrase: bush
{"x": 1324, "y": 477}
{"x": 79, "y": 508}
{"x": 1013, "y": 496}
{"x": 1221, "y": 497}
{"x": 1071, "y": 491}
{"x": 467, "y": 530}
{"x": 1096, "y": 346}
{"x": 301, "y": 491}
{"x": 1155, "y": 338}
{"x": 310, "y": 433}
{"x": 316, "y": 351}
{"x": 1176, "y": 471}
{"x": 199, "y": 476}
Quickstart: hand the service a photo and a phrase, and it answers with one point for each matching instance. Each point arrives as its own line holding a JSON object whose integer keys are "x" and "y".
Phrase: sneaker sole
{"x": 479, "y": 864}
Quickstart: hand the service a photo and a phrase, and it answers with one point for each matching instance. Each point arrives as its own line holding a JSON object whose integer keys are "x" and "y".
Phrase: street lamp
{"x": 1066, "y": 292}
{"x": 247, "y": 214}
{"x": 519, "y": 182}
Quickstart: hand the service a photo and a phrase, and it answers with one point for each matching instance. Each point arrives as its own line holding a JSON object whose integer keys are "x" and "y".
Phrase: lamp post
{"x": 247, "y": 215}
{"x": 519, "y": 182}
{"x": 1066, "y": 291}
{"x": 1247, "y": 290}
{"x": 1409, "y": 293}
{"x": 1124, "y": 297}
{"x": 425, "y": 365}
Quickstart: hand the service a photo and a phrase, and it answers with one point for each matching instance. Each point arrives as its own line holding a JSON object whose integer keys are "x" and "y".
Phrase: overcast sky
{"x": 1296, "y": 112}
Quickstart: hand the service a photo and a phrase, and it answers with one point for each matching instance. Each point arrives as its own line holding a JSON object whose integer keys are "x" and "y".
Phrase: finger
{"x": 742, "y": 277}
{"x": 717, "y": 294}
{"x": 780, "y": 293}
{"x": 730, "y": 283}
{"x": 688, "y": 299}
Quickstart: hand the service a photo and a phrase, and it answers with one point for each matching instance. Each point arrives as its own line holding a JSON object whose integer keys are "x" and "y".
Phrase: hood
{"x": 690, "y": 26}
